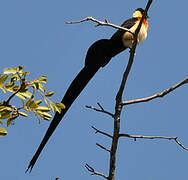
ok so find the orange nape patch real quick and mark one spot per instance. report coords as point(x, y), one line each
point(145, 22)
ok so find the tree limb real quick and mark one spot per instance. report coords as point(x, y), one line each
point(161, 94)
point(118, 107)
point(135, 137)
point(100, 23)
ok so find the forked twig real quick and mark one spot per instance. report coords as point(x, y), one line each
point(100, 110)
point(93, 172)
point(99, 23)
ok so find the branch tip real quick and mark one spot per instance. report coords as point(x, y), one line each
point(93, 172)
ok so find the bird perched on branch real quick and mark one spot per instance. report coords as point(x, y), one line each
point(98, 55)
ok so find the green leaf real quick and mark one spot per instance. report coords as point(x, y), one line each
point(34, 91)
point(9, 121)
point(1, 122)
point(5, 112)
point(21, 96)
point(23, 114)
point(38, 102)
point(52, 105)
point(26, 94)
point(3, 131)
point(5, 115)
point(9, 84)
point(45, 115)
point(3, 79)
point(42, 79)
point(3, 88)
point(49, 93)
point(46, 102)
point(33, 105)
point(41, 87)
point(36, 85)
point(19, 69)
point(42, 108)
point(13, 116)
point(5, 108)
point(10, 71)
point(59, 107)
point(29, 102)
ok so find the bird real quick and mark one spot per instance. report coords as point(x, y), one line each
point(98, 55)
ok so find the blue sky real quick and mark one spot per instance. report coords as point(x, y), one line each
point(34, 34)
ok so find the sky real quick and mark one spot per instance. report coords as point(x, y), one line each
point(34, 34)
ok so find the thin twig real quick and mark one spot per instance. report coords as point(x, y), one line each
point(102, 147)
point(101, 132)
point(100, 106)
point(180, 144)
point(100, 110)
point(135, 137)
point(158, 95)
point(93, 172)
point(100, 23)
point(22, 85)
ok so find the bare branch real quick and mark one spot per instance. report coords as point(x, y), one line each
point(102, 147)
point(99, 23)
point(101, 132)
point(93, 172)
point(158, 95)
point(118, 107)
point(100, 110)
point(135, 137)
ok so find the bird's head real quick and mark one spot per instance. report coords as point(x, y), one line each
point(138, 13)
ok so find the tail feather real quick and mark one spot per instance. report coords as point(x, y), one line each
point(72, 93)
point(99, 54)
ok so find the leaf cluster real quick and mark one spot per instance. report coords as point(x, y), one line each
point(14, 81)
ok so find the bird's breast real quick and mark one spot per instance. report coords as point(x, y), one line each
point(128, 37)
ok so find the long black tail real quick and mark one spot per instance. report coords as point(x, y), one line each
point(98, 55)
point(72, 93)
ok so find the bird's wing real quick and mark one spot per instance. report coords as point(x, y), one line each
point(127, 24)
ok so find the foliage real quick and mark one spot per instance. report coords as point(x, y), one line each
point(13, 80)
